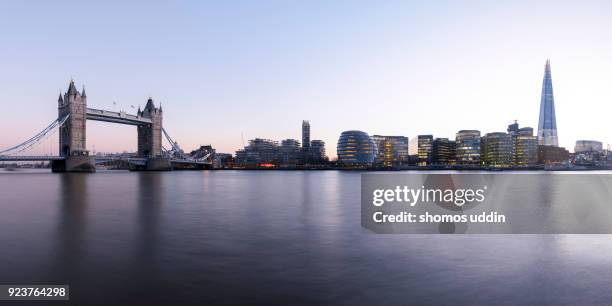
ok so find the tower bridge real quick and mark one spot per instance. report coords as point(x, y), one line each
point(116, 117)
point(73, 155)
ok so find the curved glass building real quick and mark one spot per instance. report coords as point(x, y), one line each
point(356, 148)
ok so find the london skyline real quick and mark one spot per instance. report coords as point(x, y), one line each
point(383, 69)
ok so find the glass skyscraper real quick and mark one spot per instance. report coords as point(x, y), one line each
point(547, 127)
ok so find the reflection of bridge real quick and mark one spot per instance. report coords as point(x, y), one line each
point(73, 155)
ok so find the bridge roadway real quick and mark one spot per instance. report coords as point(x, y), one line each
point(131, 160)
point(30, 158)
point(99, 159)
point(116, 117)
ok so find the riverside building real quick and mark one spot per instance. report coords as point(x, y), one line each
point(388, 156)
point(290, 152)
point(317, 151)
point(399, 146)
point(468, 147)
point(590, 152)
point(551, 155)
point(356, 148)
point(305, 135)
point(524, 145)
point(588, 146)
point(425, 149)
point(496, 150)
point(444, 152)
point(259, 151)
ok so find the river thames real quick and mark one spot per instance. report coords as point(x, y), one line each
point(267, 237)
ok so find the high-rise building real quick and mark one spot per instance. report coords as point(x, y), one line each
point(387, 150)
point(524, 145)
point(525, 148)
point(443, 151)
point(425, 148)
point(452, 152)
point(513, 128)
point(468, 147)
point(356, 148)
point(379, 140)
point(496, 150)
point(305, 135)
point(547, 127)
point(399, 144)
point(400, 148)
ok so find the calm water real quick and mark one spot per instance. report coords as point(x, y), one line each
point(224, 237)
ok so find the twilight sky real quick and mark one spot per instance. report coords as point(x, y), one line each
point(223, 69)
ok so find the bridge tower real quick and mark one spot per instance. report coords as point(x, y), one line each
point(150, 135)
point(73, 131)
point(150, 138)
point(72, 134)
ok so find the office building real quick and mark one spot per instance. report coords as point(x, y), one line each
point(443, 151)
point(547, 127)
point(388, 154)
point(525, 149)
point(452, 152)
point(379, 140)
point(468, 147)
point(356, 148)
point(524, 145)
point(399, 144)
point(551, 155)
point(496, 150)
point(425, 149)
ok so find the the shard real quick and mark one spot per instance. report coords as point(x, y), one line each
point(547, 127)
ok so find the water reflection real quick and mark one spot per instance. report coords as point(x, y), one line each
point(146, 244)
point(72, 225)
point(246, 237)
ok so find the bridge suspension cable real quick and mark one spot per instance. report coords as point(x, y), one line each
point(38, 137)
point(176, 151)
point(174, 144)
